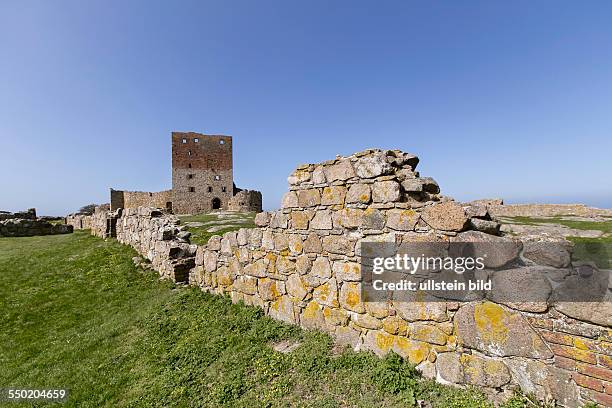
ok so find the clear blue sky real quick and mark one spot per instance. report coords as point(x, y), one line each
point(499, 99)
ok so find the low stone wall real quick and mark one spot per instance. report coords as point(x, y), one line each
point(301, 265)
point(546, 210)
point(28, 228)
point(79, 221)
point(246, 201)
point(156, 236)
point(29, 214)
point(135, 199)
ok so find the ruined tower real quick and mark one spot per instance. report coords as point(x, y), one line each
point(202, 175)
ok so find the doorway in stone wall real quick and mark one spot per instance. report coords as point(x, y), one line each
point(169, 206)
point(216, 203)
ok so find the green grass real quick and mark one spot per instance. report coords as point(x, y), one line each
point(605, 226)
point(75, 312)
point(201, 235)
point(598, 250)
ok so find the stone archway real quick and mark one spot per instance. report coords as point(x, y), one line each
point(216, 203)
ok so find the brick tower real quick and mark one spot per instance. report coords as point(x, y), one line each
point(202, 174)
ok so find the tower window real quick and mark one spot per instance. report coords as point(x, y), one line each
point(221, 141)
point(184, 141)
point(224, 189)
point(210, 189)
point(192, 189)
point(190, 176)
point(189, 165)
point(217, 177)
point(189, 152)
point(196, 140)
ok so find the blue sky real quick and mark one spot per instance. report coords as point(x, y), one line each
point(498, 99)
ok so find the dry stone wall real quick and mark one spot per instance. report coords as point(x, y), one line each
point(26, 224)
point(19, 227)
point(246, 201)
point(301, 265)
point(79, 221)
point(135, 199)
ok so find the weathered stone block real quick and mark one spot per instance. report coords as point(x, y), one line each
point(296, 287)
point(402, 220)
point(347, 271)
point(386, 191)
point(359, 194)
point(447, 216)
point(497, 331)
point(300, 219)
point(333, 195)
point(337, 244)
point(262, 219)
point(322, 220)
point(372, 166)
point(341, 171)
point(309, 198)
point(350, 297)
point(290, 200)
point(327, 293)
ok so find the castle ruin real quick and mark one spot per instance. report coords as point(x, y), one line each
point(202, 180)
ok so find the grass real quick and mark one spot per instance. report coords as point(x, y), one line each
point(597, 250)
point(201, 234)
point(605, 226)
point(75, 312)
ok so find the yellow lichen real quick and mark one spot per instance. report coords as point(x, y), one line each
point(415, 351)
point(384, 341)
point(491, 321)
point(310, 311)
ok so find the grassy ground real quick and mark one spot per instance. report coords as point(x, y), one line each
point(605, 226)
point(76, 313)
point(216, 224)
point(598, 250)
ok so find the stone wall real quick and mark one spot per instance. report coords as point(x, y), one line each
point(29, 214)
point(301, 265)
point(246, 201)
point(79, 221)
point(157, 236)
point(18, 227)
point(135, 199)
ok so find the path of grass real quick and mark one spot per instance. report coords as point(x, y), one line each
point(75, 312)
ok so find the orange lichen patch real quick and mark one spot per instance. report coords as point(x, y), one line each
point(224, 279)
point(271, 260)
point(364, 197)
point(311, 310)
point(406, 216)
point(352, 299)
point(296, 247)
point(395, 325)
point(429, 334)
point(284, 252)
point(415, 351)
point(384, 341)
point(491, 322)
point(580, 344)
point(335, 317)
